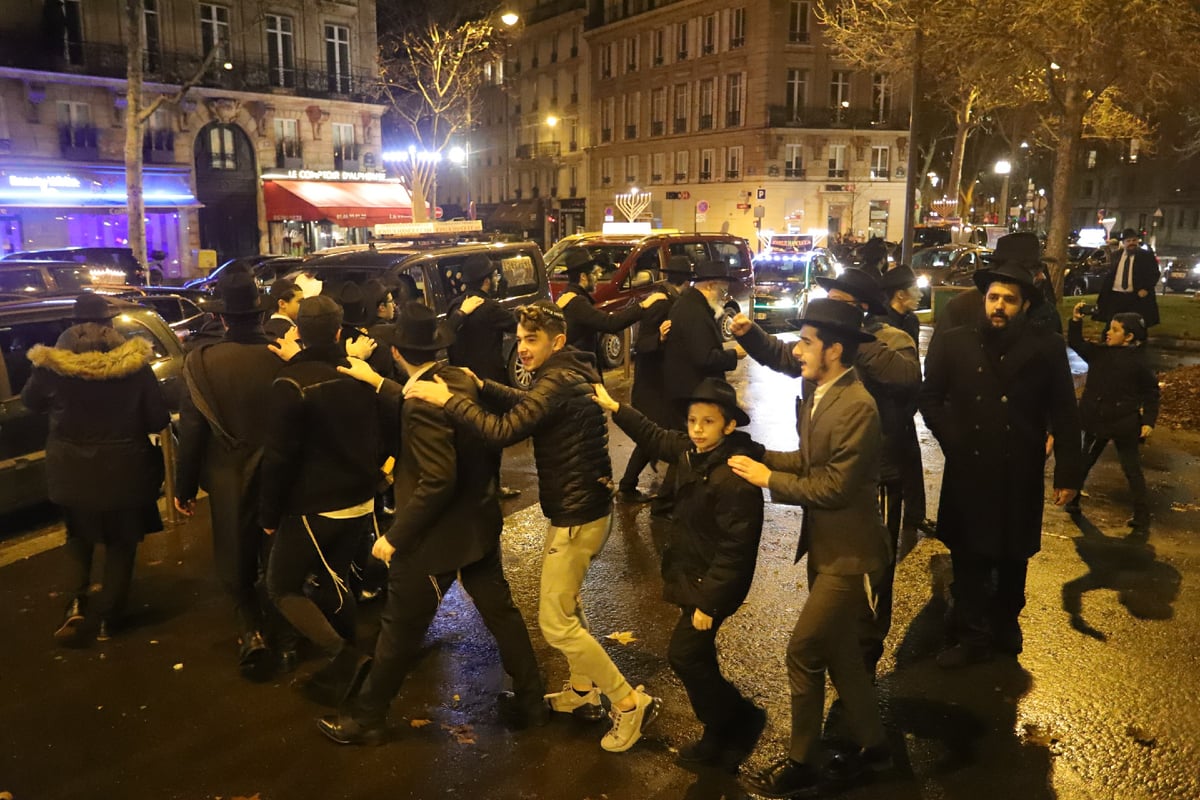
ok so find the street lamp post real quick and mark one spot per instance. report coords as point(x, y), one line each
point(1004, 167)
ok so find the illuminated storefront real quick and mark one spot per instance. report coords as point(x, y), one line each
point(310, 210)
point(47, 205)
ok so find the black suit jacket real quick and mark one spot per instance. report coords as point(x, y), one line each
point(447, 507)
point(1145, 278)
point(479, 341)
point(694, 349)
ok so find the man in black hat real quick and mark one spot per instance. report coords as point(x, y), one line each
point(321, 467)
point(1131, 283)
point(834, 477)
point(989, 391)
point(873, 256)
point(890, 370)
point(223, 421)
point(649, 394)
point(286, 296)
point(447, 527)
point(585, 322)
point(695, 347)
point(1023, 250)
point(902, 297)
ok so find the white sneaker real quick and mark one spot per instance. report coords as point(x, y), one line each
point(627, 726)
point(588, 707)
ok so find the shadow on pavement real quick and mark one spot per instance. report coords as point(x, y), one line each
point(1127, 565)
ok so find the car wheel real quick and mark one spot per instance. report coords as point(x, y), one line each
point(726, 323)
point(518, 376)
point(1076, 290)
point(612, 350)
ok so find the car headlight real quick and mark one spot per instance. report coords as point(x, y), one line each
point(1196, 270)
point(922, 281)
point(784, 302)
point(817, 293)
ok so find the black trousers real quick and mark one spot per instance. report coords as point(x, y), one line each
point(693, 657)
point(989, 594)
point(119, 559)
point(638, 461)
point(412, 601)
point(240, 548)
point(1131, 463)
point(295, 555)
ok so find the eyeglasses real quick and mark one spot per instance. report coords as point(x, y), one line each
point(534, 313)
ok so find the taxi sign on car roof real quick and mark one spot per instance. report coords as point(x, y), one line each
point(411, 229)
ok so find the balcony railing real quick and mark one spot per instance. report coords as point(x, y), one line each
point(631, 131)
point(606, 134)
point(158, 147)
point(880, 174)
point(733, 119)
point(705, 123)
point(656, 177)
point(680, 125)
point(79, 143)
point(681, 177)
point(288, 154)
point(732, 174)
point(705, 177)
point(802, 117)
point(798, 37)
point(306, 78)
point(837, 173)
point(657, 128)
point(794, 173)
point(347, 157)
point(540, 150)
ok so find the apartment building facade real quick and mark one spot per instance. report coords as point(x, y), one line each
point(276, 149)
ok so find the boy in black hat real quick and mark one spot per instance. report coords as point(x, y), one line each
point(1119, 403)
point(286, 295)
point(708, 563)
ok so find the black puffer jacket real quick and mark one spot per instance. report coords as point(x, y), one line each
point(709, 559)
point(570, 434)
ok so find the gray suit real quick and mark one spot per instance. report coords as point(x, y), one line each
point(834, 476)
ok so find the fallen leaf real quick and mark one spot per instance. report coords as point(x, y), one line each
point(463, 734)
point(457, 698)
point(6, 796)
point(1184, 507)
point(419, 723)
point(624, 637)
point(178, 666)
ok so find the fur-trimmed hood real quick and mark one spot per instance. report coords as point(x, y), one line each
point(120, 362)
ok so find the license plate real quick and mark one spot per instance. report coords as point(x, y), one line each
point(760, 315)
point(1179, 274)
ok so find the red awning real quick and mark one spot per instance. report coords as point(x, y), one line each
point(351, 205)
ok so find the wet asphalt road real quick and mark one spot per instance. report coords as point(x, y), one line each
point(1101, 705)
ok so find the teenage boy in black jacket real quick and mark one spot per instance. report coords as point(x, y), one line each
point(708, 563)
point(1120, 402)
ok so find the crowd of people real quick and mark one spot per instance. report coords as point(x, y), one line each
point(304, 427)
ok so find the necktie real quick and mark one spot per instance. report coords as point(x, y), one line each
point(1124, 271)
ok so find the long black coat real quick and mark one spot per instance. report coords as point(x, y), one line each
point(102, 405)
point(1121, 394)
point(585, 322)
point(989, 415)
point(1145, 278)
point(709, 559)
point(649, 394)
point(479, 342)
point(694, 349)
point(447, 508)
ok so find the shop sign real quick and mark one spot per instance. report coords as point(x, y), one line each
point(324, 175)
point(44, 182)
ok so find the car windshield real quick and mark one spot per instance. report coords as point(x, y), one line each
point(781, 267)
point(934, 259)
point(608, 257)
point(71, 279)
point(927, 237)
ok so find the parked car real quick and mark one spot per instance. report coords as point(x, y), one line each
point(428, 271)
point(105, 264)
point(785, 282)
point(183, 314)
point(27, 322)
point(1181, 273)
point(31, 276)
point(1085, 270)
point(264, 268)
point(632, 263)
point(946, 265)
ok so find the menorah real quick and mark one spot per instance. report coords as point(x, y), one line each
point(633, 204)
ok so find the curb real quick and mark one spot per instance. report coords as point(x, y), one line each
point(1172, 343)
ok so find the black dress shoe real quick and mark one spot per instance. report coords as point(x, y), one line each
point(339, 680)
point(632, 497)
point(847, 769)
point(345, 730)
point(739, 738)
point(520, 713)
point(784, 779)
point(104, 632)
point(963, 655)
point(254, 657)
point(73, 618)
point(704, 750)
point(289, 659)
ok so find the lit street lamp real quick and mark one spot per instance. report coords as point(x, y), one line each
point(1004, 167)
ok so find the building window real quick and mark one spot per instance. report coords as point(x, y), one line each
point(881, 97)
point(737, 28)
point(606, 59)
point(151, 37)
point(837, 160)
point(681, 166)
point(658, 46)
point(281, 53)
point(707, 90)
point(793, 161)
point(797, 93)
point(72, 33)
point(214, 32)
point(75, 129)
point(1091, 159)
point(1135, 147)
point(221, 147)
point(880, 159)
point(658, 163)
point(337, 58)
point(631, 54)
point(733, 100)
point(798, 26)
point(733, 163)
point(345, 148)
point(839, 93)
point(606, 171)
point(681, 108)
point(631, 170)
point(633, 105)
point(658, 112)
point(287, 140)
point(708, 35)
point(681, 41)
point(607, 112)
point(706, 165)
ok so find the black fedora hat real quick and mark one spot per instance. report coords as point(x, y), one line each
point(859, 284)
point(679, 265)
point(1009, 272)
point(1130, 233)
point(577, 260)
point(900, 277)
point(836, 317)
point(717, 392)
point(1023, 249)
point(238, 295)
point(874, 251)
point(93, 308)
point(711, 271)
point(416, 328)
point(476, 267)
point(353, 302)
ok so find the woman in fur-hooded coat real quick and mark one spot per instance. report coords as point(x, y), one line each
point(103, 400)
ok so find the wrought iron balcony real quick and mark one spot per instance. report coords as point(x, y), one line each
point(540, 150)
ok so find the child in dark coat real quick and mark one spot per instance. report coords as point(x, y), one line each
point(1119, 403)
point(708, 563)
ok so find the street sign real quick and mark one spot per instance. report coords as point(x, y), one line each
point(701, 218)
point(760, 212)
point(762, 194)
point(702, 207)
point(743, 206)
point(679, 195)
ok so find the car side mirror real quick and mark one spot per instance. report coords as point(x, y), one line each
point(642, 277)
